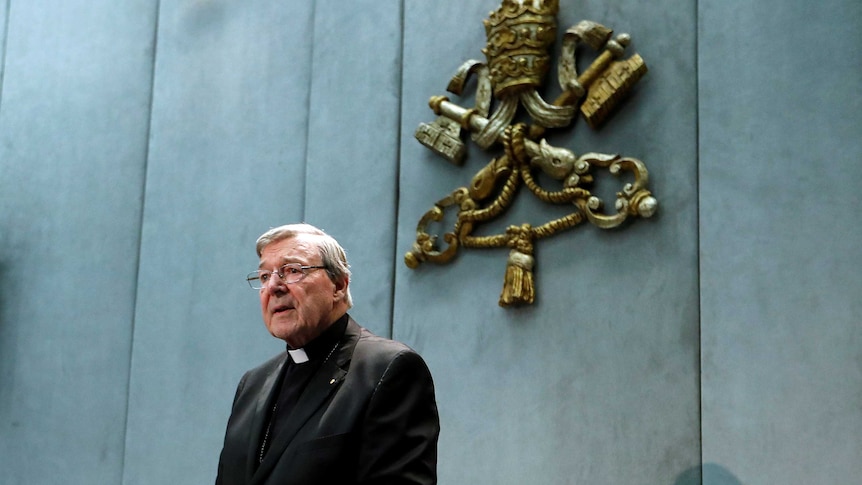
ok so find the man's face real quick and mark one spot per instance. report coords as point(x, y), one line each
point(299, 312)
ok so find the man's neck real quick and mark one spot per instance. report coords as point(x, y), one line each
point(320, 344)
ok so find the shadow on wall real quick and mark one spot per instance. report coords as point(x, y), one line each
point(708, 474)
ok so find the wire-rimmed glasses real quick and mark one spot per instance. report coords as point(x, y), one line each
point(289, 273)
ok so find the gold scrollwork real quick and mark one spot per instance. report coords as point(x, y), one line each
point(519, 35)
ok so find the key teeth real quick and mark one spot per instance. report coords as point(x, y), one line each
point(443, 138)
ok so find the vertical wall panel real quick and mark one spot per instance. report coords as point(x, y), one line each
point(226, 163)
point(780, 105)
point(598, 381)
point(353, 144)
point(73, 118)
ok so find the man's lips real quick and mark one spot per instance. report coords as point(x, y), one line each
point(282, 309)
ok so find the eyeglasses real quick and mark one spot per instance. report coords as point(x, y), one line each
point(289, 273)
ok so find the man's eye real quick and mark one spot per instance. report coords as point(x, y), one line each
point(294, 270)
point(263, 277)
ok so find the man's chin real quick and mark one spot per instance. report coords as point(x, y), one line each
point(281, 329)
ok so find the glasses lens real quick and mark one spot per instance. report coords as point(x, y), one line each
point(290, 273)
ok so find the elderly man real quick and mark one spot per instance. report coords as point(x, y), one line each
point(341, 405)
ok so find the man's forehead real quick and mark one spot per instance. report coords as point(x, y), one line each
point(296, 249)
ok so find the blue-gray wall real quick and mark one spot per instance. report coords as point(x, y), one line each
point(145, 144)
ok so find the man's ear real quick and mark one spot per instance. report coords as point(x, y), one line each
point(341, 288)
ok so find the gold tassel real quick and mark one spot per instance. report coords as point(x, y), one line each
point(518, 288)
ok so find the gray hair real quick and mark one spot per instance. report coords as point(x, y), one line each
point(332, 255)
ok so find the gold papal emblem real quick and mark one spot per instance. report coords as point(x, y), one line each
point(519, 36)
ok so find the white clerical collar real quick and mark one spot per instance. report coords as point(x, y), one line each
point(298, 356)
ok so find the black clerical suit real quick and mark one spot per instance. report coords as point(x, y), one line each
point(366, 415)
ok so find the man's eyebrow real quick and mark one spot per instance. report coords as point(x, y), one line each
point(284, 260)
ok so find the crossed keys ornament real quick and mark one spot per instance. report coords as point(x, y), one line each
point(519, 36)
